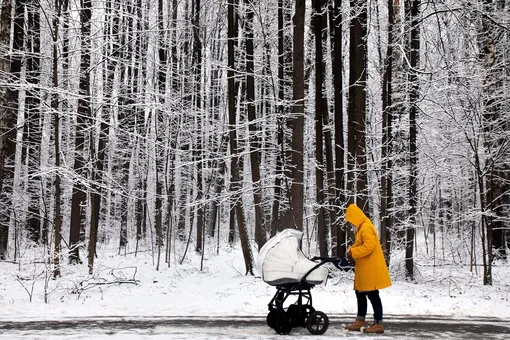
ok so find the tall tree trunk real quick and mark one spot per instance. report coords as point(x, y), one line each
point(413, 160)
point(233, 87)
point(495, 125)
point(235, 176)
point(338, 231)
point(387, 122)
point(284, 71)
point(198, 150)
point(84, 114)
point(357, 165)
point(297, 119)
point(10, 67)
point(254, 140)
point(32, 131)
point(59, 4)
point(158, 120)
point(320, 107)
point(330, 191)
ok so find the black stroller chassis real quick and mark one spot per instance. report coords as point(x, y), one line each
point(301, 313)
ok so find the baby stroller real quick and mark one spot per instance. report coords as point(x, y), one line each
point(282, 264)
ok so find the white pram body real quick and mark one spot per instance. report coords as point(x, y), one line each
point(281, 261)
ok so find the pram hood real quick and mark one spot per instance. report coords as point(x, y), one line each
point(281, 261)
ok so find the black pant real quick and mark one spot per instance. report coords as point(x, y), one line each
point(375, 300)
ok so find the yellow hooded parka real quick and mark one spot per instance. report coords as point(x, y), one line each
point(371, 272)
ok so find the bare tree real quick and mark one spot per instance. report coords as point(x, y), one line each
point(338, 231)
point(32, 131)
point(235, 175)
point(198, 150)
point(387, 122)
point(10, 68)
point(297, 119)
point(83, 116)
point(283, 112)
point(494, 124)
point(413, 112)
point(320, 110)
point(59, 6)
point(260, 232)
point(357, 184)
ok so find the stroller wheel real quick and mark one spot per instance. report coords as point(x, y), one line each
point(283, 324)
point(271, 318)
point(318, 323)
point(298, 315)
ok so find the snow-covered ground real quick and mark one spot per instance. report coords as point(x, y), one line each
point(221, 289)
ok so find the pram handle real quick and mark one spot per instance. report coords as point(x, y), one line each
point(327, 259)
point(335, 260)
point(342, 262)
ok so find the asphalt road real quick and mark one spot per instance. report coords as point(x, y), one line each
point(246, 327)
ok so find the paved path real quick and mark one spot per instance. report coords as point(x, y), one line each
point(246, 327)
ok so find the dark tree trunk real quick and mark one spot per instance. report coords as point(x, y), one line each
point(162, 54)
point(254, 140)
point(297, 119)
point(59, 5)
point(235, 178)
point(357, 181)
point(198, 150)
point(284, 70)
point(232, 33)
point(338, 231)
point(84, 114)
point(31, 149)
point(413, 160)
point(10, 67)
point(495, 125)
point(320, 110)
point(387, 122)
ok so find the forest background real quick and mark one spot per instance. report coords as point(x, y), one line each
point(167, 126)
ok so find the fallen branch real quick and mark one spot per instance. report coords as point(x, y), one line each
point(83, 286)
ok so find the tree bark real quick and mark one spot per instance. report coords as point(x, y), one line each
point(198, 151)
point(235, 178)
point(254, 140)
point(32, 131)
point(387, 122)
point(59, 4)
point(320, 110)
point(338, 230)
point(284, 73)
point(10, 67)
point(357, 165)
point(84, 114)
point(413, 160)
point(297, 119)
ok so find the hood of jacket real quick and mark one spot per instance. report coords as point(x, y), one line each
point(355, 215)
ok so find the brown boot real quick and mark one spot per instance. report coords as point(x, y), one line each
point(375, 328)
point(356, 326)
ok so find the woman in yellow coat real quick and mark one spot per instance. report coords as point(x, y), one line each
point(371, 271)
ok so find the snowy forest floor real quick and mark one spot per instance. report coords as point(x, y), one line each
point(129, 286)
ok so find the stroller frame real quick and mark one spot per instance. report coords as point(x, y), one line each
point(301, 313)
